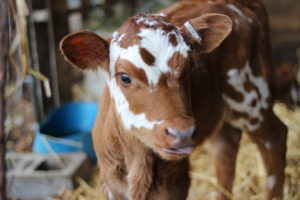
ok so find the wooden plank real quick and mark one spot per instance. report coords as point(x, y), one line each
point(66, 74)
point(284, 15)
point(285, 30)
point(46, 62)
point(3, 65)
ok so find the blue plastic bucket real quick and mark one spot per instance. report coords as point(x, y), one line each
point(67, 129)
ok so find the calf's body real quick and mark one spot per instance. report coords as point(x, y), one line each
point(172, 83)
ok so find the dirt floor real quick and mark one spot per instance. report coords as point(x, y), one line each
point(250, 174)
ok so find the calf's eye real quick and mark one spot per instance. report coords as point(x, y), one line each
point(126, 80)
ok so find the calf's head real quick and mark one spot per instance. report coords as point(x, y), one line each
point(148, 61)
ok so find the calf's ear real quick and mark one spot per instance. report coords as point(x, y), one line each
point(205, 33)
point(86, 50)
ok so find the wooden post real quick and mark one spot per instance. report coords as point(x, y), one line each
point(285, 30)
point(45, 63)
point(66, 74)
point(3, 64)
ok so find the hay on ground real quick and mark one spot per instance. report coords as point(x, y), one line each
point(250, 174)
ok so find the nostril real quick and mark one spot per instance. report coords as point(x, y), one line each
point(172, 132)
point(181, 133)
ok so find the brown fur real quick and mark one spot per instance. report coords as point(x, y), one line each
point(132, 163)
point(78, 42)
point(147, 56)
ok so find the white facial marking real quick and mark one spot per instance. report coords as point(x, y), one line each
point(192, 31)
point(128, 118)
point(268, 145)
point(151, 23)
point(271, 182)
point(156, 42)
point(146, 21)
point(237, 79)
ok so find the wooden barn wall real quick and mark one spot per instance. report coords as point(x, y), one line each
point(284, 18)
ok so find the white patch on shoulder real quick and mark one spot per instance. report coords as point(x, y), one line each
point(128, 118)
point(244, 123)
point(271, 181)
point(237, 79)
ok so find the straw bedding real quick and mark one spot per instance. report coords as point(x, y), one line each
point(250, 174)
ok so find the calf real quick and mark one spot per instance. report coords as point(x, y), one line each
point(173, 81)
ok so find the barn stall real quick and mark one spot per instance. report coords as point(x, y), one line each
point(37, 85)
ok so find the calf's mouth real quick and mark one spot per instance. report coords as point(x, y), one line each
point(185, 150)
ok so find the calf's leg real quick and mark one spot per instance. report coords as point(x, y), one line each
point(224, 147)
point(270, 139)
point(140, 175)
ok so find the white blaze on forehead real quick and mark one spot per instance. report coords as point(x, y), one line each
point(128, 118)
point(146, 21)
point(156, 42)
point(152, 22)
point(237, 79)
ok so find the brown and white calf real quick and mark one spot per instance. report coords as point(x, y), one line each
point(174, 81)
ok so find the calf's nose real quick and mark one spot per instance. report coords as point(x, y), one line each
point(181, 136)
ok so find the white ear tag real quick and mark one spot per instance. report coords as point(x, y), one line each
point(192, 31)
